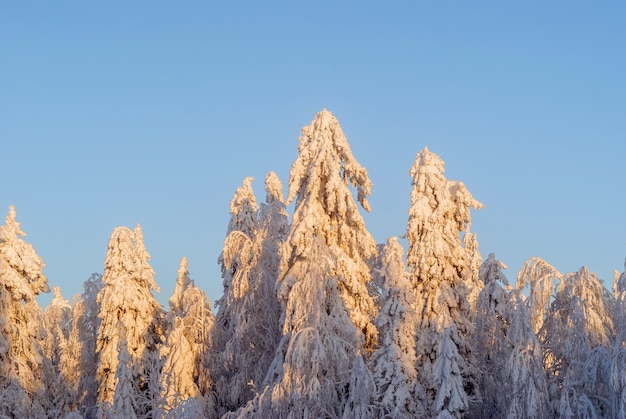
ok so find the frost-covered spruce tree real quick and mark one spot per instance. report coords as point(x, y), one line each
point(21, 330)
point(393, 363)
point(576, 337)
point(489, 340)
point(126, 300)
point(186, 383)
point(328, 311)
point(440, 270)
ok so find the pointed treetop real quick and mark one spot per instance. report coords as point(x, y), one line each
point(322, 143)
point(11, 224)
point(274, 188)
point(243, 209)
point(182, 269)
point(427, 162)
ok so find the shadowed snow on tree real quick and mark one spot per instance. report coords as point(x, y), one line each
point(579, 324)
point(508, 353)
point(489, 340)
point(21, 328)
point(78, 363)
point(393, 363)
point(57, 324)
point(440, 269)
point(248, 318)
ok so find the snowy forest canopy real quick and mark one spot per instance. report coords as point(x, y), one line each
point(317, 320)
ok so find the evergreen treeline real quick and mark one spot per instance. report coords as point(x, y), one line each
point(316, 319)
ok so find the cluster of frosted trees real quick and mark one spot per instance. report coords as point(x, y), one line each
point(316, 319)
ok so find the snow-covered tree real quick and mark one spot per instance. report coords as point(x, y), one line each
point(21, 329)
point(185, 378)
point(78, 361)
point(618, 361)
point(126, 301)
point(440, 269)
point(126, 404)
point(489, 341)
point(57, 323)
point(238, 256)
point(525, 384)
point(543, 281)
point(393, 363)
point(328, 311)
point(580, 320)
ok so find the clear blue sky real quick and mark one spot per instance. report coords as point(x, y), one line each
point(117, 113)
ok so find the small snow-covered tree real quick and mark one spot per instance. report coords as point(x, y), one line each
point(126, 300)
point(21, 329)
point(185, 379)
point(328, 313)
point(393, 363)
point(440, 269)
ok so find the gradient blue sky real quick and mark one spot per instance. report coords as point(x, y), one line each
point(117, 113)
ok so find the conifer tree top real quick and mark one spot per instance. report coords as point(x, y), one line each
point(323, 142)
